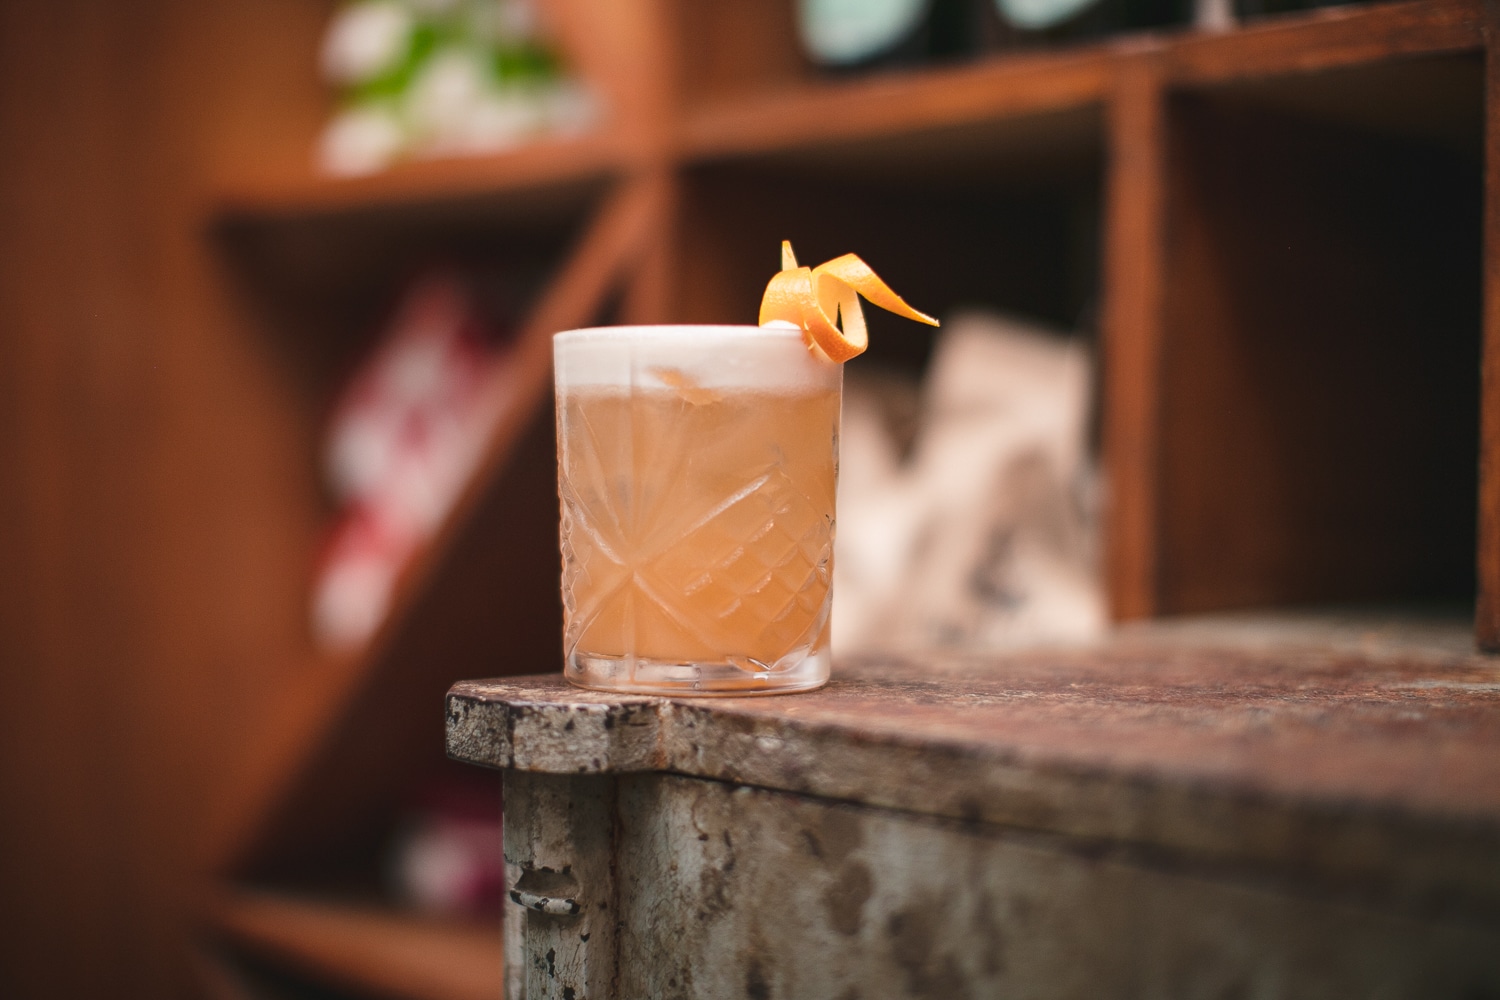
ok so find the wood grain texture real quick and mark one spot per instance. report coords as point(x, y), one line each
point(377, 952)
point(652, 290)
point(1487, 607)
point(1015, 87)
point(70, 419)
point(157, 504)
point(1334, 753)
point(547, 163)
point(1131, 341)
point(283, 795)
point(734, 48)
point(1319, 390)
point(693, 81)
point(1327, 39)
point(159, 499)
point(628, 51)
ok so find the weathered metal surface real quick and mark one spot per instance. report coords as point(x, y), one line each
point(729, 891)
point(1354, 760)
point(560, 936)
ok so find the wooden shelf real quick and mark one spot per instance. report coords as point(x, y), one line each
point(1025, 101)
point(530, 179)
point(379, 950)
point(1436, 99)
point(1325, 39)
point(1041, 108)
point(1321, 344)
point(277, 798)
point(909, 105)
point(1046, 183)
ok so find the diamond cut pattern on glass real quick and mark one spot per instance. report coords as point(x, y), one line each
point(658, 566)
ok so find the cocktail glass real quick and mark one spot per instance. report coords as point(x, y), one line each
point(696, 470)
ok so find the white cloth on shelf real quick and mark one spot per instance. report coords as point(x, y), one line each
point(985, 536)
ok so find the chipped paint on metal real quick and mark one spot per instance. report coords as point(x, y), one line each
point(559, 867)
point(725, 891)
point(1351, 770)
point(1170, 817)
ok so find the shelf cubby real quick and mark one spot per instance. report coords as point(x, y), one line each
point(1276, 234)
point(950, 241)
point(323, 767)
point(1321, 340)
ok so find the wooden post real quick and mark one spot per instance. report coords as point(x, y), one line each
point(1132, 333)
point(650, 290)
point(1487, 604)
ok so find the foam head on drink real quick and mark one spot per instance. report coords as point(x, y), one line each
point(697, 468)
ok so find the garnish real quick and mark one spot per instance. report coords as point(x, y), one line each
point(813, 298)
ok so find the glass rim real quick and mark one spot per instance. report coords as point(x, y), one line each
point(669, 331)
point(710, 355)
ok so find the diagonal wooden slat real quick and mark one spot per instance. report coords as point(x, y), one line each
point(600, 261)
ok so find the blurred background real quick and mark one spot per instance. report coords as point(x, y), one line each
point(276, 452)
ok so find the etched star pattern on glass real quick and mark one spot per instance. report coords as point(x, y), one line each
point(697, 516)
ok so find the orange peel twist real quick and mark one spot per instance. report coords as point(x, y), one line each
point(814, 298)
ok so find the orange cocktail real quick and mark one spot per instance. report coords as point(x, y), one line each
point(697, 469)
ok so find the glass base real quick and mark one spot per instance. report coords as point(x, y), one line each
point(725, 679)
